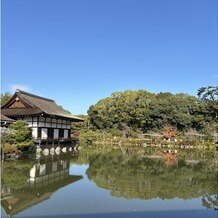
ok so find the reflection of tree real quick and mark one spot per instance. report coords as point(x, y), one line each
point(210, 201)
point(16, 173)
point(146, 178)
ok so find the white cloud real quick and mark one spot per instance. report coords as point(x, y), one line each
point(13, 87)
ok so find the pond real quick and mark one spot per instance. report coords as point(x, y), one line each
point(110, 183)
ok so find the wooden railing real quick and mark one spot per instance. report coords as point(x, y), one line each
point(53, 139)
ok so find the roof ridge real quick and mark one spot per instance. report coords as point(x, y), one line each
point(33, 95)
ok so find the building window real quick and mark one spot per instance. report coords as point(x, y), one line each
point(50, 133)
point(48, 124)
point(39, 133)
point(54, 120)
point(56, 133)
point(65, 133)
point(42, 119)
point(61, 133)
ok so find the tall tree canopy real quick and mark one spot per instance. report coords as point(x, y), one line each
point(142, 110)
point(210, 95)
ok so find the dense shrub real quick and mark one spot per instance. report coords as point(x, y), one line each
point(19, 136)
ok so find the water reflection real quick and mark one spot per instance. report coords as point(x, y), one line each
point(138, 180)
point(29, 182)
point(133, 177)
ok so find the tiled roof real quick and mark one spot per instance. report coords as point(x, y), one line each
point(7, 119)
point(37, 105)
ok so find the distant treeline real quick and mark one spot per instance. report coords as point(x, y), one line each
point(145, 111)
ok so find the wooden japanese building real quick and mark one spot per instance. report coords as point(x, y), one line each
point(49, 122)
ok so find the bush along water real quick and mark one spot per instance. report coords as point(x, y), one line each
point(17, 138)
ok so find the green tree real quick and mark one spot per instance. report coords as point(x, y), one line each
point(19, 135)
point(126, 108)
point(16, 173)
point(180, 111)
point(144, 111)
point(5, 97)
point(209, 93)
point(210, 96)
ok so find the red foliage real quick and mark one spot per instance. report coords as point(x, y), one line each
point(169, 131)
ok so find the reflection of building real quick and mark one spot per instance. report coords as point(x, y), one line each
point(44, 179)
point(49, 122)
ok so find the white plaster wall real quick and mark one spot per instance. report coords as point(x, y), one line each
point(35, 124)
point(34, 132)
point(44, 133)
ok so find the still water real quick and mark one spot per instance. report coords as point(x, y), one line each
point(110, 183)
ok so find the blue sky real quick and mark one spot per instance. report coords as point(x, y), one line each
point(79, 51)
